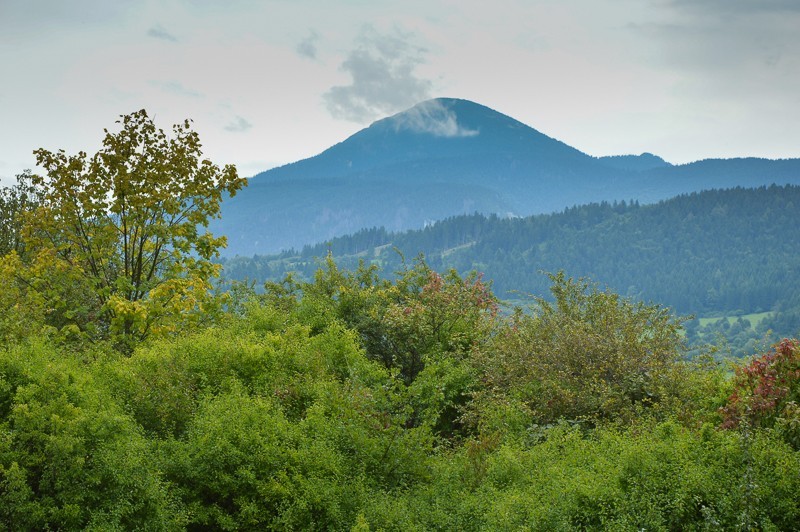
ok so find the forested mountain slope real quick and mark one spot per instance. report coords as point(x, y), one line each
point(721, 250)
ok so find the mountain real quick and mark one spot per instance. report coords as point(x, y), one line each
point(446, 157)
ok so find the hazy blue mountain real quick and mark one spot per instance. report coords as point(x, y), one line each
point(645, 161)
point(447, 157)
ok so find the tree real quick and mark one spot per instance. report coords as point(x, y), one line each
point(14, 201)
point(590, 355)
point(422, 327)
point(766, 393)
point(18, 314)
point(420, 317)
point(128, 220)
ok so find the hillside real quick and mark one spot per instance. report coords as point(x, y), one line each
point(448, 157)
point(713, 251)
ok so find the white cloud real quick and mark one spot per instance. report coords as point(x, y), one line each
point(434, 118)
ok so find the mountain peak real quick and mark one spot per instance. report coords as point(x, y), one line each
point(445, 128)
point(436, 129)
point(438, 117)
point(453, 118)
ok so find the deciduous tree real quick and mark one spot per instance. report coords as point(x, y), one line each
point(21, 197)
point(766, 392)
point(130, 220)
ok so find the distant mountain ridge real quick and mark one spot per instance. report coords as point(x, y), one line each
point(645, 161)
point(446, 157)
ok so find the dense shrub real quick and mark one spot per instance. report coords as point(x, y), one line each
point(280, 417)
point(592, 355)
point(766, 392)
point(70, 458)
point(656, 477)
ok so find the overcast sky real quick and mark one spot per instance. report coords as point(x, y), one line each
point(271, 82)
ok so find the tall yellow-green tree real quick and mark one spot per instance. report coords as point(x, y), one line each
point(18, 314)
point(125, 230)
point(14, 201)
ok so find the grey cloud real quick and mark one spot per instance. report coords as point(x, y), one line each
point(308, 46)
point(727, 7)
point(238, 125)
point(434, 118)
point(175, 88)
point(725, 35)
point(725, 53)
point(383, 78)
point(159, 32)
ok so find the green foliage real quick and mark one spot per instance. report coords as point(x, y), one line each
point(257, 469)
point(591, 355)
point(423, 328)
point(15, 201)
point(766, 392)
point(653, 477)
point(314, 419)
point(403, 324)
point(123, 226)
point(287, 415)
point(19, 313)
point(69, 457)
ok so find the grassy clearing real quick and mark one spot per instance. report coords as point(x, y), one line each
point(755, 318)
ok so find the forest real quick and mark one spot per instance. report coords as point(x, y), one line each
point(709, 254)
point(136, 393)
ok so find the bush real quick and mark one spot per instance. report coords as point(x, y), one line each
point(70, 458)
point(592, 355)
point(766, 393)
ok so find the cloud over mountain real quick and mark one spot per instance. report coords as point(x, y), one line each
point(434, 118)
point(383, 78)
